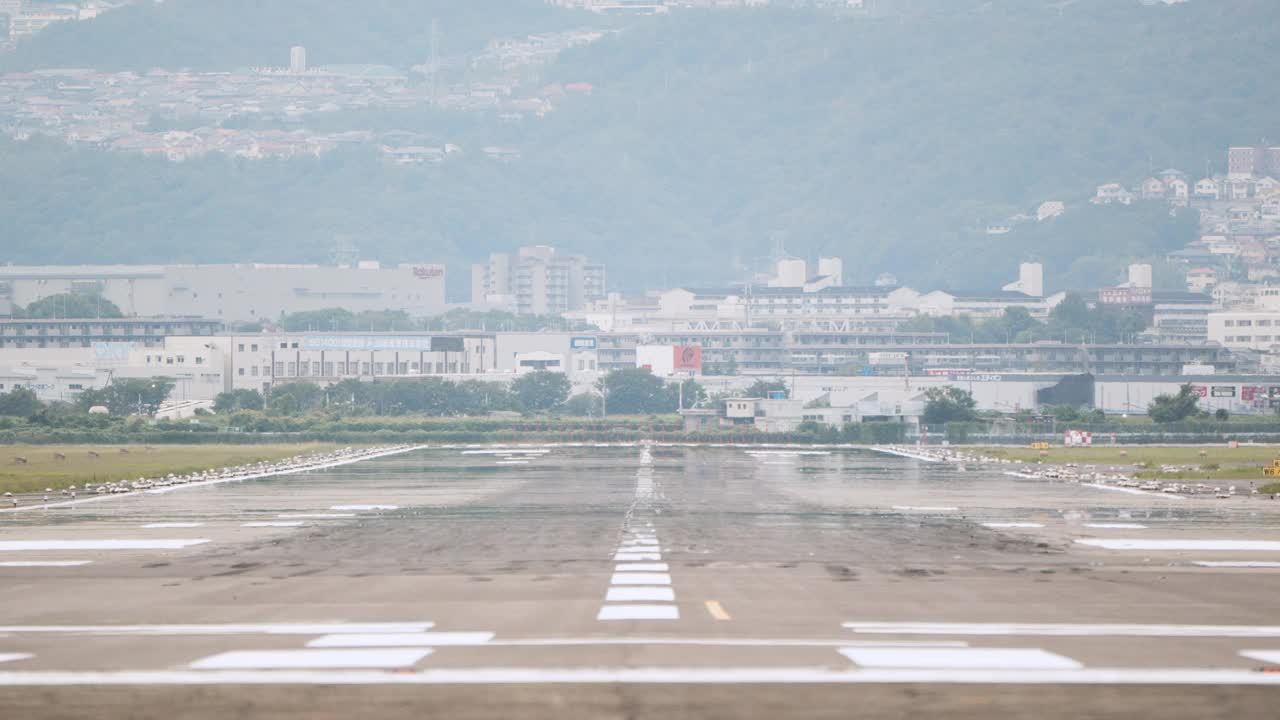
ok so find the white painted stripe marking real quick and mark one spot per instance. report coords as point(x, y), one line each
point(1136, 544)
point(1133, 491)
point(646, 676)
point(1237, 563)
point(642, 594)
point(359, 508)
point(160, 525)
point(641, 567)
point(1064, 629)
point(314, 516)
point(1266, 656)
point(301, 659)
point(924, 508)
point(629, 556)
point(1116, 526)
point(640, 578)
point(19, 545)
point(44, 563)
point(273, 523)
point(1002, 525)
point(639, 548)
point(226, 629)
point(13, 657)
point(960, 658)
point(425, 639)
point(639, 612)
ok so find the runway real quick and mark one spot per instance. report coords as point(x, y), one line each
point(621, 582)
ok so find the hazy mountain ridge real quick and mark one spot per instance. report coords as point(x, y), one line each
point(712, 135)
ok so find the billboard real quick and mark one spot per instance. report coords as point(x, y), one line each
point(428, 272)
point(687, 358)
point(411, 343)
point(582, 343)
point(1224, 391)
point(446, 344)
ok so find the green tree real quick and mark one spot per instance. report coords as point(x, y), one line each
point(294, 398)
point(582, 405)
point(20, 402)
point(541, 390)
point(635, 391)
point(239, 399)
point(142, 396)
point(689, 392)
point(1174, 408)
point(71, 305)
point(948, 404)
point(765, 389)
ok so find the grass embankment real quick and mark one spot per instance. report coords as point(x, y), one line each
point(1196, 463)
point(60, 466)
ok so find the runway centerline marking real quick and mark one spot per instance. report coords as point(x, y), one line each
point(717, 610)
point(14, 657)
point(628, 556)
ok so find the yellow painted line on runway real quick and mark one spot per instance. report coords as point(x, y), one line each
point(717, 610)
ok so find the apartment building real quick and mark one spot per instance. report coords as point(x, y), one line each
point(537, 280)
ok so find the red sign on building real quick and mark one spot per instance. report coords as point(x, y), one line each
point(688, 358)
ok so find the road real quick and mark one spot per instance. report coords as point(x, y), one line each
point(641, 581)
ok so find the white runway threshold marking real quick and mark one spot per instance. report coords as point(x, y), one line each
point(1003, 525)
point(1237, 564)
point(1063, 629)
point(306, 659)
point(646, 676)
point(639, 612)
point(638, 578)
point(424, 639)
point(1116, 526)
point(959, 658)
point(224, 629)
point(171, 525)
point(640, 594)
point(44, 563)
point(273, 523)
point(1266, 656)
point(1137, 544)
point(641, 567)
point(21, 545)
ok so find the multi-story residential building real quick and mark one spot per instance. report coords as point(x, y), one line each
point(1247, 162)
point(1246, 329)
point(537, 280)
point(233, 293)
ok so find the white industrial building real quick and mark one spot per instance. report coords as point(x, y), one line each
point(233, 293)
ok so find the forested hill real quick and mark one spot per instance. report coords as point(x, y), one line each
point(709, 136)
point(227, 34)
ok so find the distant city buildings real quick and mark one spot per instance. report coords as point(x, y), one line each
point(537, 280)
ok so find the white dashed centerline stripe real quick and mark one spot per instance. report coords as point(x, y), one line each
point(638, 612)
point(630, 556)
point(638, 578)
point(641, 567)
point(641, 577)
point(14, 657)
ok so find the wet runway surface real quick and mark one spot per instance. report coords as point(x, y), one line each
point(614, 582)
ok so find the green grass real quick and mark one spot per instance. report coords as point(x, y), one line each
point(45, 469)
point(1216, 463)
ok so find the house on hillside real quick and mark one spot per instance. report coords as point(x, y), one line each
point(1208, 188)
point(1153, 188)
point(1112, 193)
